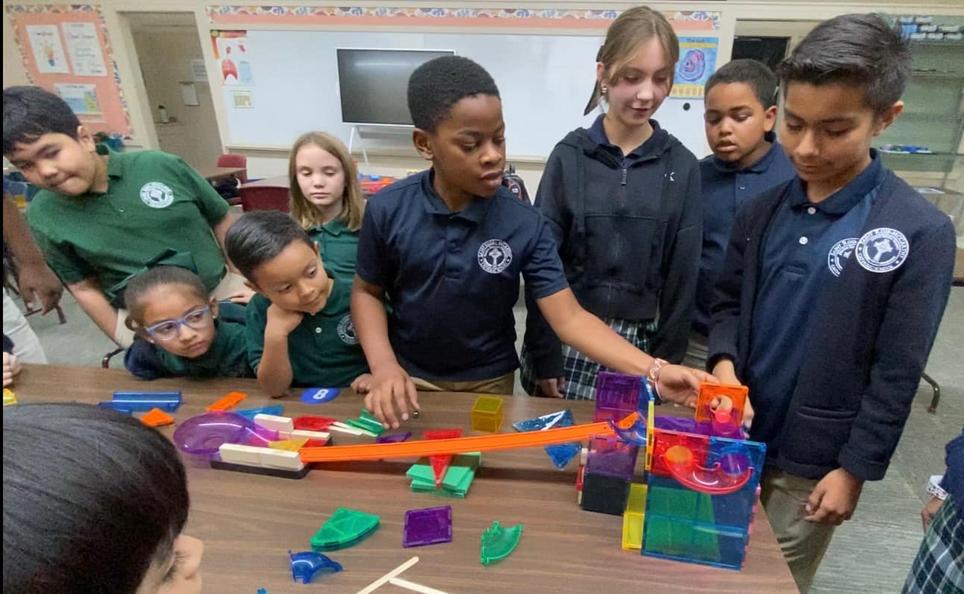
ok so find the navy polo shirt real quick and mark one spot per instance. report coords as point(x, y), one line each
point(804, 250)
point(597, 134)
point(725, 189)
point(453, 277)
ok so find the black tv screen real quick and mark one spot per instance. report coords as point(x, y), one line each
point(374, 83)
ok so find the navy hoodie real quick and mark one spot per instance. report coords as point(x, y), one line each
point(629, 235)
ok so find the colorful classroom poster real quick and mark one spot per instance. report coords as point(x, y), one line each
point(697, 62)
point(231, 52)
point(48, 53)
point(82, 99)
point(83, 47)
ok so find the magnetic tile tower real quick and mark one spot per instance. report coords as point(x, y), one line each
point(694, 497)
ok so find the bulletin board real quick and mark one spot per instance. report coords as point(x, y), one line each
point(65, 49)
point(277, 67)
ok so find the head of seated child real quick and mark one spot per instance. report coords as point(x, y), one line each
point(324, 182)
point(45, 140)
point(169, 307)
point(842, 86)
point(279, 260)
point(741, 108)
point(94, 501)
point(457, 113)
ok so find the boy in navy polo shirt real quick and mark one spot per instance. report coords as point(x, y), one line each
point(832, 289)
point(447, 246)
point(741, 110)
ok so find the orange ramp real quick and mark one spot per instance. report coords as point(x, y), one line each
point(460, 445)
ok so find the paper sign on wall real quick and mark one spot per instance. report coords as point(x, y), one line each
point(198, 71)
point(84, 49)
point(697, 62)
point(82, 99)
point(231, 51)
point(242, 99)
point(48, 53)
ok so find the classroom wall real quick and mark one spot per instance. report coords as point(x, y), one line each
point(164, 56)
point(263, 163)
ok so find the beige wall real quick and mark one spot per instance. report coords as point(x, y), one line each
point(164, 54)
point(273, 162)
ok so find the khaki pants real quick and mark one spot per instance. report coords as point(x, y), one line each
point(502, 385)
point(26, 345)
point(230, 285)
point(804, 543)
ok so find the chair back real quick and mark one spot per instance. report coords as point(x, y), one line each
point(264, 198)
point(235, 160)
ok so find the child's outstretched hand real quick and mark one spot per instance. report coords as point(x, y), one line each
point(834, 499)
point(680, 384)
point(11, 367)
point(362, 384)
point(392, 396)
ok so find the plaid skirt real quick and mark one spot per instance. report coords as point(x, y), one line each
point(939, 565)
point(578, 371)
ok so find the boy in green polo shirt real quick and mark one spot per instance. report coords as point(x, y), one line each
point(299, 327)
point(99, 219)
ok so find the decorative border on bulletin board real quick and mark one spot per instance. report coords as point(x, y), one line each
point(120, 122)
point(693, 20)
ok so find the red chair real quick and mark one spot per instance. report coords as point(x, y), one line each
point(264, 198)
point(235, 160)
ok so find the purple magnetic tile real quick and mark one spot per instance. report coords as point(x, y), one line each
point(431, 525)
point(393, 438)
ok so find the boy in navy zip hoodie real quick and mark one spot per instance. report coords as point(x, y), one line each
point(833, 288)
point(741, 111)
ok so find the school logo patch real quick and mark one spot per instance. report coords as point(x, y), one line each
point(495, 256)
point(157, 195)
point(840, 253)
point(346, 330)
point(882, 249)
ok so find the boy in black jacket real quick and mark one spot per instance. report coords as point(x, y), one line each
point(833, 288)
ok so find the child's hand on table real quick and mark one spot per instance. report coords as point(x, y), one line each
point(11, 367)
point(362, 384)
point(391, 396)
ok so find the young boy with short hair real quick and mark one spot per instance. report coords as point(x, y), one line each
point(833, 288)
point(100, 219)
point(299, 328)
point(741, 111)
point(447, 246)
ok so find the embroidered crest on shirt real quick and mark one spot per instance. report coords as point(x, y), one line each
point(840, 253)
point(346, 330)
point(882, 249)
point(495, 256)
point(157, 194)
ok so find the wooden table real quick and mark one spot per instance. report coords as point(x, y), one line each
point(213, 174)
point(248, 523)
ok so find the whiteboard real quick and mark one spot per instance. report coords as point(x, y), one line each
point(544, 81)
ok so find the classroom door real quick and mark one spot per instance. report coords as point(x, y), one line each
point(172, 67)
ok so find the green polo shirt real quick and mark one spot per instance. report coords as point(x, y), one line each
point(227, 357)
point(154, 202)
point(338, 247)
point(323, 349)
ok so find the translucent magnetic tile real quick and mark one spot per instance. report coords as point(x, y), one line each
point(431, 525)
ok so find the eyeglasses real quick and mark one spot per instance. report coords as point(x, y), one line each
point(196, 319)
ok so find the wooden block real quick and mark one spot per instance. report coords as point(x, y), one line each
point(240, 454)
point(284, 459)
point(275, 423)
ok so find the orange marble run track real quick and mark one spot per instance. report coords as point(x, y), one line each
point(460, 445)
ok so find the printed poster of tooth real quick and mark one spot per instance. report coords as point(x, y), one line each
point(697, 63)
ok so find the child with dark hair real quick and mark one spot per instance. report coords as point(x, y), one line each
point(89, 205)
point(447, 247)
point(740, 113)
point(299, 327)
point(169, 307)
point(832, 289)
point(104, 510)
point(622, 199)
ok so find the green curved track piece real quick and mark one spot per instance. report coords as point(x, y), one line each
point(345, 528)
point(498, 542)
